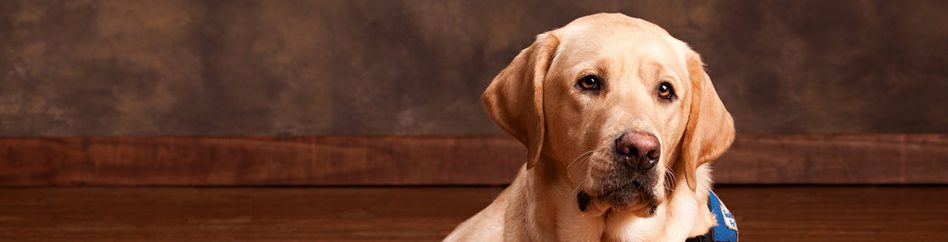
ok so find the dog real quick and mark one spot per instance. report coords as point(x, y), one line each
point(620, 121)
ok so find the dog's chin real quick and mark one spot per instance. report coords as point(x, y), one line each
point(640, 203)
point(634, 199)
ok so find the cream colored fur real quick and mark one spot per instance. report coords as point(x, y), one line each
point(569, 134)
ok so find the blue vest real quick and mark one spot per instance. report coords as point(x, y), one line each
point(726, 228)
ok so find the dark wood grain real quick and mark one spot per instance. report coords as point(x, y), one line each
point(778, 214)
point(774, 214)
point(235, 214)
point(258, 161)
point(419, 160)
point(835, 159)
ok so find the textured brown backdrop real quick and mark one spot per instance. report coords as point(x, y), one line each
point(418, 67)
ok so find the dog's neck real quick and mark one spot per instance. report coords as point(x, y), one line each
point(544, 208)
point(549, 211)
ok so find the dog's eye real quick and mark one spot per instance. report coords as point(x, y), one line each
point(589, 83)
point(665, 91)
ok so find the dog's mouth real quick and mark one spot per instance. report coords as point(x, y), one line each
point(633, 197)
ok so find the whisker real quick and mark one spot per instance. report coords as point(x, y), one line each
point(670, 180)
point(577, 158)
point(585, 176)
point(571, 163)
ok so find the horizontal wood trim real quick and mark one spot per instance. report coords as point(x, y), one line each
point(330, 160)
point(450, 160)
point(835, 159)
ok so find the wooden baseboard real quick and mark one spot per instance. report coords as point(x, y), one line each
point(835, 159)
point(450, 160)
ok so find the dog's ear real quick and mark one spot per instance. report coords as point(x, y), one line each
point(710, 128)
point(514, 98)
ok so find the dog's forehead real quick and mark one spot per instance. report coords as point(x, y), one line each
point(618, 36)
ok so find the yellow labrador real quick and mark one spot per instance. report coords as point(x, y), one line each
point(620, 120)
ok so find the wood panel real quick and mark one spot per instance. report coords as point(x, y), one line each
point(429, 160)
point(836, 159)
point(257, 161)
point(772, 214)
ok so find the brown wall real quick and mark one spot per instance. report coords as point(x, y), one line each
point(418, 67)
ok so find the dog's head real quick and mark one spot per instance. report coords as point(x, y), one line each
point(615, 107)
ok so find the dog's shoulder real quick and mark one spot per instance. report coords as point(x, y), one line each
point(486, 225)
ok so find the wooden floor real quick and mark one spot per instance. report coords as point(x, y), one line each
point(428, 213)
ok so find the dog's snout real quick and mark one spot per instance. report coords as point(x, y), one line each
point(639, 149)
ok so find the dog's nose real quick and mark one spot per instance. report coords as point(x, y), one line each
point(640, 150)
